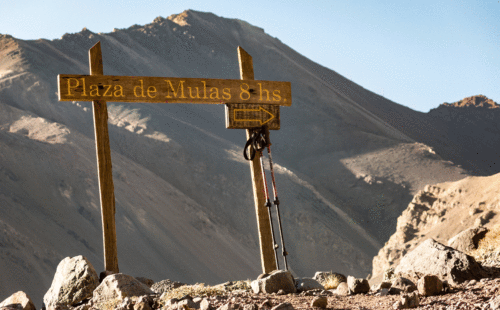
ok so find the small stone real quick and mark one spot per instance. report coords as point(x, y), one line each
point(342, 289)
point(281, 292)
point(358, 285)
point(429, 285)
point(204, 304)
point(307, 284)
point(250, 307)
point(266, 304)
point(142, 306)
point(319, 301)
point(283, 306)
point(383, 292)
point(410, 300)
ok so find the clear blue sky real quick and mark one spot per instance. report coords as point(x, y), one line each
point(417, 53)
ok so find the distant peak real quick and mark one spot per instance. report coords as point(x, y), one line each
point(479, 101)
point(180, 19)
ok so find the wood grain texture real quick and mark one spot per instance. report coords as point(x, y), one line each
point(147, 89)
point(267, 253)
point(246, 116)
point(105, 175)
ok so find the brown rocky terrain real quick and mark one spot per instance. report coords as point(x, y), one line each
point(441, 211)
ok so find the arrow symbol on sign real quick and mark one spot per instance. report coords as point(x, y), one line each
point(250, 115)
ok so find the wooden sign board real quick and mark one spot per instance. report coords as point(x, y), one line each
point(246, 116)
point(171, 90)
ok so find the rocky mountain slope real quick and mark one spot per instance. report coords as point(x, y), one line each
point(441, 211)
point(348, 161)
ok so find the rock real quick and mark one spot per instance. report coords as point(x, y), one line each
point(278, 279)
point(468, 239)
point(205, 304)
point(407, 301)
point(495, 303)
point(432, 257)
point(319, 301)
point(401, 284)
point(74, 281)
point(343, 289)
point(125, 304)
point(429, 285)
point(146, 281)
point(18, 300)
point(188, 302)
point(262, 276)
point(383, 292)
point(410, 300)
point(249, 307)
point(165, 285)
point(381, 285)
point(266, 304)
point(358, 285)
point(141, 305)
point(228, 306)
point(388, 274)
point(307, 284)
point(116, 287)
point(283, 306)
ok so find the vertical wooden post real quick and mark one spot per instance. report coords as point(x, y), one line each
point(104, 173)
point(263, 224)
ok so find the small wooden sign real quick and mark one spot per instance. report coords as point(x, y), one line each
point(172, 90)
point(245, 116)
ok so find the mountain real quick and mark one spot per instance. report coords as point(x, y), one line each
point(348, 161)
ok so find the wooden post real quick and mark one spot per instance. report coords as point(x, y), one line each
point(104, 173)
point(263, 224)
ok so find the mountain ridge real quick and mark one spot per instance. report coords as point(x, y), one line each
point(341, 154)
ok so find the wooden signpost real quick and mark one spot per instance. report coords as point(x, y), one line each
point(249, 104)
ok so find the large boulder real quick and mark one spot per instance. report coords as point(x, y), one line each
point(19, 301)
point(116, 287)
point(307, 284)
point(432, 257)
point(468, 239)
point(277, 280)
point(74, 281)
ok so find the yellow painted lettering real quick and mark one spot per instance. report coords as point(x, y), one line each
point(108, 87)
point(276, 95)
point(175, 92)
point(226, 92)
point(204, 90)
point(70, 87)
point(214, 93)
point(262, 90)
point(84, 92)
point(244, 91)
point(151, 91)
point(118, 91)
point(94, 90)
point(197, 93)
point(141, 88)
